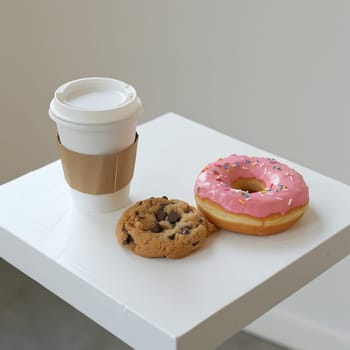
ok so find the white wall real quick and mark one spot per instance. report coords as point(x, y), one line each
point(272, 73)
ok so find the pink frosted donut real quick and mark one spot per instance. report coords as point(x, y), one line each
point(251, 195)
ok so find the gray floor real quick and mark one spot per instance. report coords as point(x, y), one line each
point(32, 318)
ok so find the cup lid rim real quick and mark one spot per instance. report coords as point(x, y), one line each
point(126, 101)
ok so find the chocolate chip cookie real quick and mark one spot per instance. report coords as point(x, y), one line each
point(162, 227)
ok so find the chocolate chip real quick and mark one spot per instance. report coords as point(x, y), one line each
point(172, 237)
point(161, 214)
point(165, 197)
point(157, 228)
point(194, 244)
point(124, 230)
point(185, 230)
point(173, 217)
point(128, 240)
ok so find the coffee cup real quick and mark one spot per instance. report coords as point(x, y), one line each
point(96, 133)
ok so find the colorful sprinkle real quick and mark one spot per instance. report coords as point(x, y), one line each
point(272, 160)
point(226, 167)
point(244, 168)
point(242, 202)
point(245, 195)
point(290, 201)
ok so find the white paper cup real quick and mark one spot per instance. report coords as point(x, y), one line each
point(96, 116)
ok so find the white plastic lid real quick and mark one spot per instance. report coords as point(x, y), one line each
point(94, 101)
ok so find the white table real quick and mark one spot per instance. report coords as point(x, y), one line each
point(193, 303)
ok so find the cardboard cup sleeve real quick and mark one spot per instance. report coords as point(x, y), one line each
point(98, 174)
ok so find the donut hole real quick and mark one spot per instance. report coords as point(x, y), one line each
point(249, 185)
